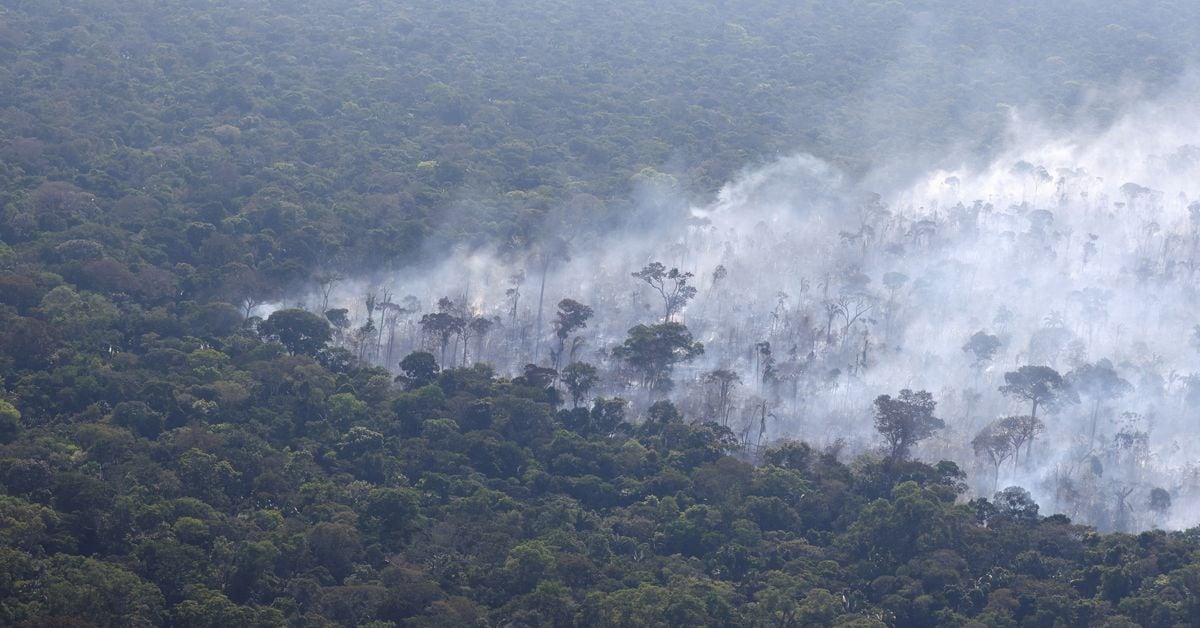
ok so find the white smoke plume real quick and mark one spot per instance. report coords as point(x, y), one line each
point(1069, 249)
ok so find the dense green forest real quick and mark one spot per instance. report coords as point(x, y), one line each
point(168, 459)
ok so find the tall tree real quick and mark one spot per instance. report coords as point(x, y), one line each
point(572, 316)
point(1022, 429)
point(994, 442)
point(300, 331)
point(551, 250)
point(327, 281)
point(905, 420)
point(442, 325)
point(981, 347)
point(653, 351)
point(579, 378)
point(419, 368)
point(724, 381)
point(1101, 384)
point(672, 285)
point(718, 286)
point(1041, 386)
point(479, 327)
point(390, 319)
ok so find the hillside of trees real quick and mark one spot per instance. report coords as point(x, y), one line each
point(222, 480)
point(182, 445)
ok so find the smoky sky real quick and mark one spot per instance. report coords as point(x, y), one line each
point(1071, 247)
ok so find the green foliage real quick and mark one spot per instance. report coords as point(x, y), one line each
point(579, 378)
point(139, 417)
point(653, 351)
point(672, 285)
point(471, 500)
point(80, 588)
point(166, 168)
point(420, 368)
point(1040, 386)
point(302, 332)
point(905, 421)
point(10, 421)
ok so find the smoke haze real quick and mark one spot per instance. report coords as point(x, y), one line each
point(1069, 248)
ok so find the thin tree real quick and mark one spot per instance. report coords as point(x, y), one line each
point(443, 326)
point(724, 382)
point(672, 285)
point(995, 443)
point(1022, 429)
point(480, 327)
point(572, 316)
point(1101, 384)
point(327, 280)
point(550, 251)
point(718, 276)
point(852, 308)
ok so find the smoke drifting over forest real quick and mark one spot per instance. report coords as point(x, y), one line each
point(1075, 252)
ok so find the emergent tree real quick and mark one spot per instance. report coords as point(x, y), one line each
point(653, 351)
point(672, 285)
point(905, 421)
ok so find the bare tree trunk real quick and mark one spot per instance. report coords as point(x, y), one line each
point(387, 362)
point(537, 330)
